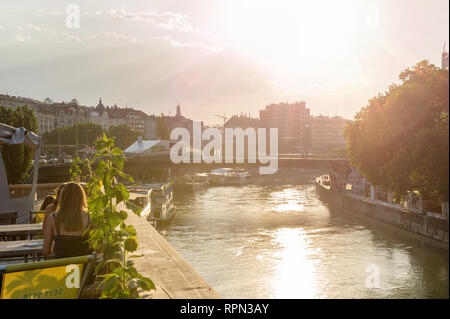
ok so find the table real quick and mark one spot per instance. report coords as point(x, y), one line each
point(20, 229)
point(21, 248)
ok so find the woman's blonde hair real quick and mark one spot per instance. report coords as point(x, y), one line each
point(70, 208)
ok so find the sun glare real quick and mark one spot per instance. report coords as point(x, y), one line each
point(285, 34)
point(296, 267)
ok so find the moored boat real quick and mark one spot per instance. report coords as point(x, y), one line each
point(228, 176)
point(323, 185)
point(162, 207)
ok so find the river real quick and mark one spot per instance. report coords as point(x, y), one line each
point(277, 239)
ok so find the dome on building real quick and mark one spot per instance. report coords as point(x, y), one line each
point(74, 102)
point(48, 101)
point(100, 107)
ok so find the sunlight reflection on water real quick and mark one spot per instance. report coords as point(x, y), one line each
point(282, 241)
point(295, 269)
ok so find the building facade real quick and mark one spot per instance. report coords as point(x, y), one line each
point(150, 127)
point(327, 133)
point(293, 123)
point(179, 121)
point(51, 115)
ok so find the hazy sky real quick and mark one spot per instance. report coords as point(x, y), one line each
point(216, 56)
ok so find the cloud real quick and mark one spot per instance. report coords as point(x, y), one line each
point(33, 33)
point(23, 38)
point(172, 21)
point(27, 32)
point(169, 39)
point(45, 12)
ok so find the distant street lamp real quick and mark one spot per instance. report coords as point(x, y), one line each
point(76, 137)
point(59, 144)
point(87, 137)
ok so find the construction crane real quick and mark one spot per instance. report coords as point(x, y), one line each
point(444, 58)
point(223, 117)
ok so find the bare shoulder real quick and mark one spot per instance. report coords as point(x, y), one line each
point(50, 209)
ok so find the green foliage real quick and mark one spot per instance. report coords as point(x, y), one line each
point(400, 140)
point(162, 129)
point(76, 170)
point(110, 234)
point(123, 135)
point(17, 158)
point(87, 133)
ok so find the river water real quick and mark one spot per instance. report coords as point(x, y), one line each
point(276, 238)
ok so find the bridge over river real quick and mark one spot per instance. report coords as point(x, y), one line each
point(141, 166)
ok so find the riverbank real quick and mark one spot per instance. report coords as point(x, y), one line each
point(173, 276)
point(426, 228)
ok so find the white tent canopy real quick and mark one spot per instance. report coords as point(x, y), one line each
point(23, 205)
point(147, 148)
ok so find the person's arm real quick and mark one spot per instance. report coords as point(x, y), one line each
point(48, 227)
point(48, 211)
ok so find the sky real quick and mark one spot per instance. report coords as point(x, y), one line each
point(216, 56)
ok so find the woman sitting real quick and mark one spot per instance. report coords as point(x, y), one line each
point(67, 226)
point(49, 200)
point(49, 209)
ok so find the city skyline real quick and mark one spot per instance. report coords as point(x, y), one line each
point(211, 56)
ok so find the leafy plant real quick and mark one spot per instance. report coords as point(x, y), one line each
point(110, 234)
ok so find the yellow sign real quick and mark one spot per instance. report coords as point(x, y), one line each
point(61, 282)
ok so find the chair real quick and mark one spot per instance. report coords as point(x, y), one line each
point(63, 278)
point(37, 216)
point(8, 218)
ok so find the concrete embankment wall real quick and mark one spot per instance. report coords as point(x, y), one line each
point(173, 276)
point(429, 228)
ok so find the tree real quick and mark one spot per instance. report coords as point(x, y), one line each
point(162, 129)
point(400, 140)
point(87, 133)
point(123, 135)
point(17, 158)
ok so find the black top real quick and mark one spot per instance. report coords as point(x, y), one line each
point(69, 245)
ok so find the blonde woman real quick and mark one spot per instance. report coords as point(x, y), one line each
point(66, 227)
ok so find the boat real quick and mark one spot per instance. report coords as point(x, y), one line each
point(228, 176)
point(323, 185)
point(197, 182)
point(162, 208)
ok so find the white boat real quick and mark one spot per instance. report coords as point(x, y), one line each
point(197, 181)
point(162, 207)
point(227, 176)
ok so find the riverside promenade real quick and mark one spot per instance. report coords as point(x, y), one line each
point(428, 228)
point(172, 275)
